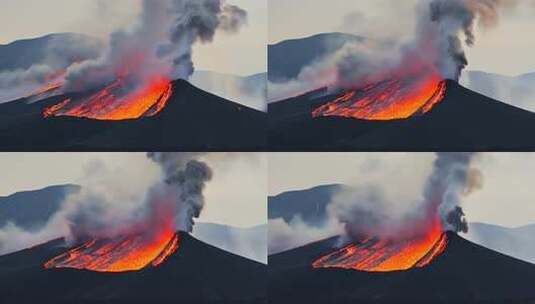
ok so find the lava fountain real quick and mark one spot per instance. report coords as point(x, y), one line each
point(382, 255)
point(118, 101)
point(394, 98)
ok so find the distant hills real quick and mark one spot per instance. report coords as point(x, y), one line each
point(287, 58)
point(515, 90)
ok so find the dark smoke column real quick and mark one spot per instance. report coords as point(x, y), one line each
point(451, 177)
point(445, 21)
point(187, 177)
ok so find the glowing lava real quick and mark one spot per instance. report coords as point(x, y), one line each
point(47, 89)
point(118, 101)
point(376, 255)
point(395, 98)
point(129, 253)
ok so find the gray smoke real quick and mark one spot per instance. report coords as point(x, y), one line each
point(161, 43)
point(455, 219)
point(198, 21)
point(447, 22)
point(367, 212)
point(443, 29)
point(436, 46)
point(171, 202)
point(186, 178)
point(450, 179)
point(57, 53)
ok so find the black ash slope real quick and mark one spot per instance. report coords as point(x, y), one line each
point(195, 273)
point(463, 120)
point(463, 273)
point(192, 120)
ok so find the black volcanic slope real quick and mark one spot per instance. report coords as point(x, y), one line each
point(196, 273)
point(463, 273)
point(192, 120)
point(463, 120)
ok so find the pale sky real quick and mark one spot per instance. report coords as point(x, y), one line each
point(236, 195)
point(507, 49)
point(239, 54)
point(507, 197)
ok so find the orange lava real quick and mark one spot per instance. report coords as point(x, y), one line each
point(396, 98)
point(117, 102)
point(376, 255)
point(121, 254)
point(47, 88)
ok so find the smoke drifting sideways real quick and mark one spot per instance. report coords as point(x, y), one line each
point(365, 211)
point(103, 212)
point(46, 64)
point(160, 44)
point(435, 46)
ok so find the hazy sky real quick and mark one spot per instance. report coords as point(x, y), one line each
point(242, 54)
point(507, 49)
point(507, 197)
point(236, 196)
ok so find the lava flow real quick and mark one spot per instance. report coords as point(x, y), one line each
point(118, 101)
point(395, 98)
point(378, 255)
point(127, 253)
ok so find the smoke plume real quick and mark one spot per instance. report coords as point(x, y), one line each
point(367, 212)
point(46, 64)
point(170, 203)
point(436, 46)
point(160, 44)
point(450, 178)
point(186, 178)
point(112, 206)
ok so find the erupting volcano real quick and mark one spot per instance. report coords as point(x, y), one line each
point(378, 255)
point(120, 254)
point(118, 101)
point(395, 98)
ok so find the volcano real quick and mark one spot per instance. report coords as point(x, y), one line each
point(460, 120)
point(162, 116)
point(194, 273)
point(462, 272)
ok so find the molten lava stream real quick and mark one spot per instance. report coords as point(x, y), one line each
point(376, 255)
point(128, 253)
point(116, 102)
point(390, 99)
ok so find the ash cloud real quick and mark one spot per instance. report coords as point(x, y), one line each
point(447, 22)
point(117, 207)
point(451, 177)
point(366, 210)
point(48, 63)
point(187, 179)
point(436, 45)
point(161, 43)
